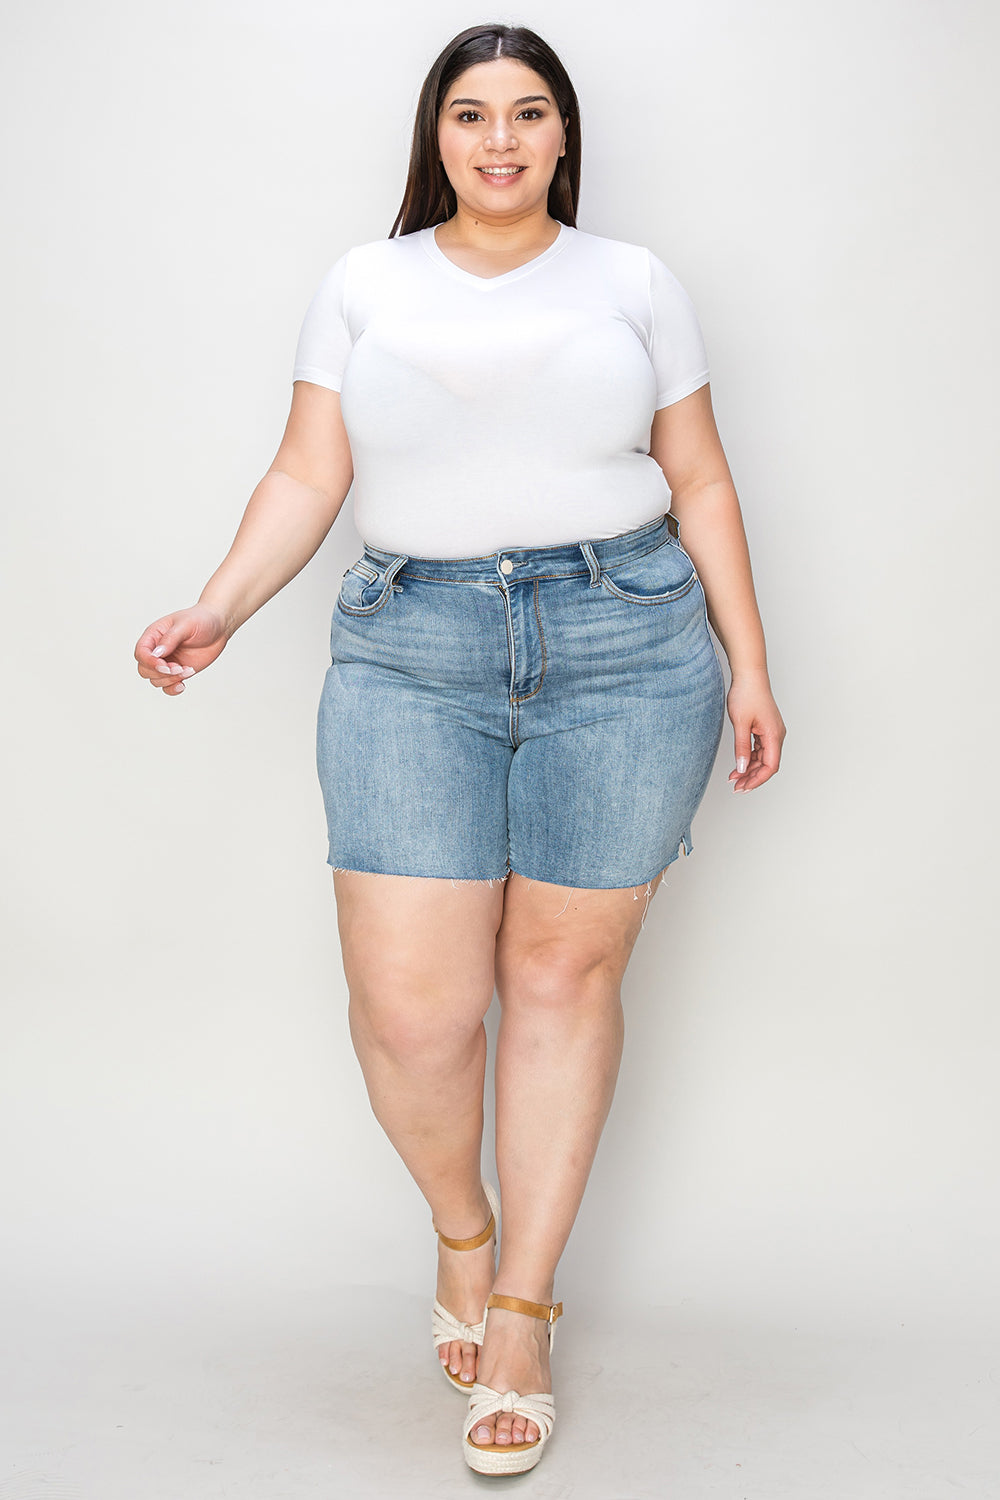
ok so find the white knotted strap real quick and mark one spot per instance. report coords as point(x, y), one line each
point(484, 1402)
point(446, 1328)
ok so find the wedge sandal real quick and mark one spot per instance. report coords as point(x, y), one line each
point(484, 1402)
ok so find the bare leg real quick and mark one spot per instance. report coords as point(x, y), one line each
point(560, 957)
point(418, 956)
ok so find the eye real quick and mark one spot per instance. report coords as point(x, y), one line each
point(530, 114)
point(469, 114)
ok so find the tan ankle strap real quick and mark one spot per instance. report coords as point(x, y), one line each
point(474, 1243)
point(531, 1309)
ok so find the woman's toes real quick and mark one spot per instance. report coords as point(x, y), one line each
point(482, 1433)
point(468, 1365)
point(504, 1422)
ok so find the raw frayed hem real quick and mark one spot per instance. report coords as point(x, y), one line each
point(661, 877)
point(491, 881)
point(642, 890)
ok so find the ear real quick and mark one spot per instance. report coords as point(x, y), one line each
point(562, 149)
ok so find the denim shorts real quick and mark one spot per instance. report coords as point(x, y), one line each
point(555, 711)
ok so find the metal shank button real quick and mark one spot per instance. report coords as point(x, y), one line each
point(506, 566)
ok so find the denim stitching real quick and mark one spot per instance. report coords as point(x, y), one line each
point(653, 598)
point(389, 588)
point(576, 573)
point(545, 659)
point(509, 625)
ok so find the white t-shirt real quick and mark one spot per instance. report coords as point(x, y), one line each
point(512, 411)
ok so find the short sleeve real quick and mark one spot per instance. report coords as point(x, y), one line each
point(676, 346)
point(325, 339)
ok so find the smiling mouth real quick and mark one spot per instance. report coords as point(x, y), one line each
point(500, 171)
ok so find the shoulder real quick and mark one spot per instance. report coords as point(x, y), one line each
point(365, 269)
point(384, 255)
point(624, 265)
point(628, 271)
point(615, 255)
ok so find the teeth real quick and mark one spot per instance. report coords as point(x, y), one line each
point(501, 171)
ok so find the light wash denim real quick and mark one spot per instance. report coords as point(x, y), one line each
point(555, 711)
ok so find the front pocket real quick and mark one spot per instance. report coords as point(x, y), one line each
point(364, 589)
point(654, 578)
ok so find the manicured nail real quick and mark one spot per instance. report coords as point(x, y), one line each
point(159, 651)
point(189, 671)
point(741, 764)
point(482, 1434)
point(466, 1376)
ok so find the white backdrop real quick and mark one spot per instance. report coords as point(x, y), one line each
point(806, 1125)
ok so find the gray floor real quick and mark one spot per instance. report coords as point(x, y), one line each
point(290, 1397)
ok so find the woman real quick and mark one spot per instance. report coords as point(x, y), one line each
point(524, 702)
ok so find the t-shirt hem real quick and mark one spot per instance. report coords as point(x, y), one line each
point(668, 398)
point(316, 377)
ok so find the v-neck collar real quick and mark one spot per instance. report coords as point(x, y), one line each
point(484, 283)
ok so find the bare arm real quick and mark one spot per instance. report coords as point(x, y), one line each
point(685, 443)
point(286, 520)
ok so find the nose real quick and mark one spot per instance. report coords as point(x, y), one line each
point(500, 137)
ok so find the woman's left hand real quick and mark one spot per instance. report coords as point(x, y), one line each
point(759, 730)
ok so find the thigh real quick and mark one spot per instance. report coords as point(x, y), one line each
point(564, 932)
point(418, 942)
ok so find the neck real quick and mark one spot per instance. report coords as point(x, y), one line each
point(525, 232)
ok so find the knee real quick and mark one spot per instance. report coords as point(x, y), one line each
point(418, 1026)
point(553, 976)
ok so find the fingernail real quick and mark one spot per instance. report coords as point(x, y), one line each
point(741, 764)
point(178, 687)
point(158, 651)
point(189, 671)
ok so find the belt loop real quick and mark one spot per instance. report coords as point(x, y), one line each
point(592, 564)
point(673, 525)
point(398, 563)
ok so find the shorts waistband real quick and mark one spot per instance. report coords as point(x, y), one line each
point(513, 564)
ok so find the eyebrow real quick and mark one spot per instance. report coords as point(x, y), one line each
point(528, 99)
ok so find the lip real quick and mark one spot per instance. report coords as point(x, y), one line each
point(504, 175)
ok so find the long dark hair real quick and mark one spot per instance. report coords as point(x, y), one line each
point(429, 197)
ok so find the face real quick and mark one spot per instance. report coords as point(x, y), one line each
point(500, 136)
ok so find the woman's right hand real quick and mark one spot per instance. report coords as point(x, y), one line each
point(289, 514)
point(175, 647)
